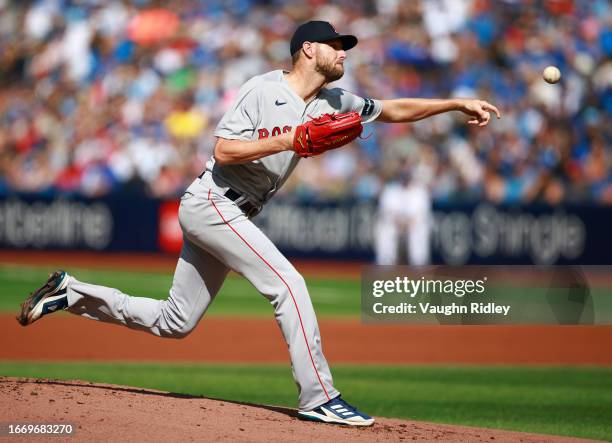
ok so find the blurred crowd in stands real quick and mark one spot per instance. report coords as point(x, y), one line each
point(105, 96)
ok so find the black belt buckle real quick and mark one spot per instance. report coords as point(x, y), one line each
point(249, 209)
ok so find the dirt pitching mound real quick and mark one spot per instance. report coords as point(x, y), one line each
point(100, 412)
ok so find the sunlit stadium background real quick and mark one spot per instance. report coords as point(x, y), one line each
point(107, 111)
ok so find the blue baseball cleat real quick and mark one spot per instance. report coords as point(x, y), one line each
point(49, 298)
point(337, 411)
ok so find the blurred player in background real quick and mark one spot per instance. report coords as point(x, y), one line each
point(404, 220)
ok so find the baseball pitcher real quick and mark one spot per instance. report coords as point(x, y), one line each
point(277, 119)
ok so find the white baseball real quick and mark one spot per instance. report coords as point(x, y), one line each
point(551, 74)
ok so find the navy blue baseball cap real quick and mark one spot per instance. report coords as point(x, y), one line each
point(319, 31)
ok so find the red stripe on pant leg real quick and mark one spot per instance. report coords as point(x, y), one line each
point(285, 283)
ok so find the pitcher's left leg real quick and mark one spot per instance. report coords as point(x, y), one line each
point(197, 279)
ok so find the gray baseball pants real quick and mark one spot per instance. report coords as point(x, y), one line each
point(218, 237)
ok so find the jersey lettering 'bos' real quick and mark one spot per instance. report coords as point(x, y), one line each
point(265, 133)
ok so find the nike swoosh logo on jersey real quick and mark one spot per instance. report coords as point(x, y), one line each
point(278, 102)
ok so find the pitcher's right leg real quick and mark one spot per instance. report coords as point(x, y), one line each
point(235, 240)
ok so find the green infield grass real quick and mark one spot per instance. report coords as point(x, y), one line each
point(331, 297)
point(236, 298)
point(560, 401)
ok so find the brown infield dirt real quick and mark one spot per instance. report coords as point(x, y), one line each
point(100, 412)
point(245, 340)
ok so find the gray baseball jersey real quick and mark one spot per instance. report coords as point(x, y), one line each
point(267, 106)
point(218, 236)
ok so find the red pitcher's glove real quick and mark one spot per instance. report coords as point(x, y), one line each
point(330, 131)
